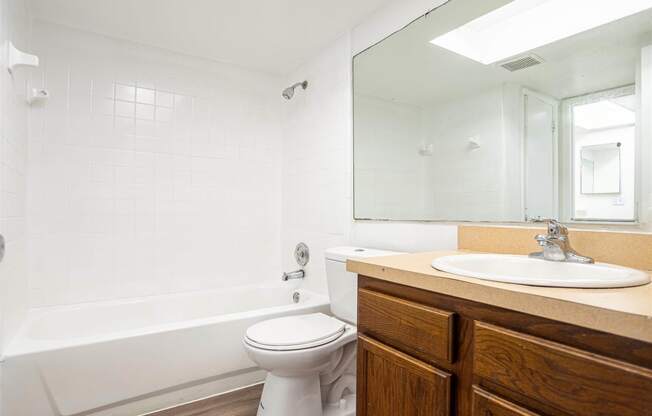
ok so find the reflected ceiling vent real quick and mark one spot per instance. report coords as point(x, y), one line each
point(522, 62)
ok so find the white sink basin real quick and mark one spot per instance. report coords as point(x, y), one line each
point(535, 272)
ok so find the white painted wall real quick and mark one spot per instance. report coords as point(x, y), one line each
point(150, 172)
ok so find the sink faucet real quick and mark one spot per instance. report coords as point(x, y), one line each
point(297, 274)
point(556, 245)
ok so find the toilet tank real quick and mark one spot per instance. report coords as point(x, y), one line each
point(343, 285)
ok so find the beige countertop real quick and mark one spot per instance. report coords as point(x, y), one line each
point(626, 312)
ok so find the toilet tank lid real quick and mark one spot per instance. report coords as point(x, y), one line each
point(344, 253)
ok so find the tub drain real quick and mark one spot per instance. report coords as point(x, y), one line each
point(296, 297)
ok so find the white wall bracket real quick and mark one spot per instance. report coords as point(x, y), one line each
point(474, 143)
point(16, 58)
point(37, 96)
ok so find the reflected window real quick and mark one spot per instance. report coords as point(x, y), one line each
point(603, 133)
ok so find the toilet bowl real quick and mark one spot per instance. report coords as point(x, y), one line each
point(310, 359)
point(299, 353)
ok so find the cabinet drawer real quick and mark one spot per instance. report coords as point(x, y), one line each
point(571, 380)
point(419, 330)
point(487, 404)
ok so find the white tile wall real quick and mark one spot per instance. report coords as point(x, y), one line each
point(14, 26)
point(316, 160)
point(149, 172)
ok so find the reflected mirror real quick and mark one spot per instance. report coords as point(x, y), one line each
point(600, 169)
point(507, 111)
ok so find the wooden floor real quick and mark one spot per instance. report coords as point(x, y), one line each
point(242, 402)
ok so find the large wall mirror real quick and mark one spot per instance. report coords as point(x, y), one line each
point(508, 111)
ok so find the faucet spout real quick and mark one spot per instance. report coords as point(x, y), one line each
point(297, 274)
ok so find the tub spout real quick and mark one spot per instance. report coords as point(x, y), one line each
point(297, 274)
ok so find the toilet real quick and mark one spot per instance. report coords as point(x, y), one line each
point(310, 359)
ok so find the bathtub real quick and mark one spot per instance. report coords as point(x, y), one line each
point(133, 356)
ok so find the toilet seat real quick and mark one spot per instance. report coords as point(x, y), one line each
point(293, 333)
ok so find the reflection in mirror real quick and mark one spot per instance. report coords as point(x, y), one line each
point(507, 111)
point(603, 134)
point(600, 169)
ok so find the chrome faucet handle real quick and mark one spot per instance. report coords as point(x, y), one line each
point(555, 228)
point(541, 239)
point(556, 244)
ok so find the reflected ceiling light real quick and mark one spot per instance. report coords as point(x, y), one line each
point(523, 25)
point(601, 115)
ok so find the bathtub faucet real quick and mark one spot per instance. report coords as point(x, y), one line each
point(297, 274)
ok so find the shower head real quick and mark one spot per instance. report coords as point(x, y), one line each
point(288, 93)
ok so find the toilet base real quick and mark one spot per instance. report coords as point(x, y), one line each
point(346, 407)
point(283, 396)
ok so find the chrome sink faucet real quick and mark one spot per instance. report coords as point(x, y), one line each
point(556, 245)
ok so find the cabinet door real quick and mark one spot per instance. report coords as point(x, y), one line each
point(391, 383)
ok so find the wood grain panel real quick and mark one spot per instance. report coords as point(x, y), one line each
point(574, 381)
point(487, 404)
point(626, 249)
point(423, 331)
point(243, 402)
point(391, 383)
point(620, 348)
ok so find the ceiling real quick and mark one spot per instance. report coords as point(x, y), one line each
point(270, 35)
point(406, 68)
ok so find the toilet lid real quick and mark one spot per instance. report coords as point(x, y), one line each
point(294, 332)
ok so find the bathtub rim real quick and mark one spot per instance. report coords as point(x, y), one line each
point(23, 345)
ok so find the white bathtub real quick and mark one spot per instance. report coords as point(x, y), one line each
point(132, 356)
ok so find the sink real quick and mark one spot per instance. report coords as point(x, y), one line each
point(535, 272)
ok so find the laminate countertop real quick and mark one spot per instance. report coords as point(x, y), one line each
point(626, 312)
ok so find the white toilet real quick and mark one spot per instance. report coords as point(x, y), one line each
point(310, 359)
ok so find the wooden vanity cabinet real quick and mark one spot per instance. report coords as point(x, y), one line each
point(394, 383)
point(423, 353)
